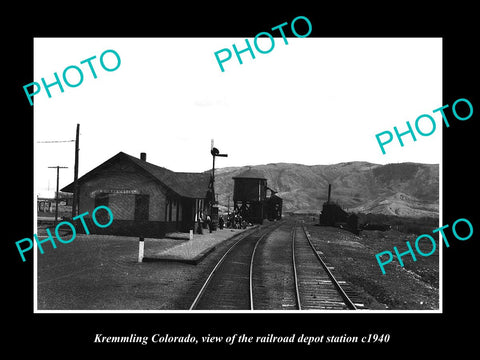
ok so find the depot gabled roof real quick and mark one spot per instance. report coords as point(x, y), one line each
point(191, 185)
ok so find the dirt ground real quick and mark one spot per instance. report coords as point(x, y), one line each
point(102, 272)
point(412, 287)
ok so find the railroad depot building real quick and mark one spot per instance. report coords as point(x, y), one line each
point(145, 199)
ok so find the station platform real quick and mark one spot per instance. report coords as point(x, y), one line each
point(195, 250)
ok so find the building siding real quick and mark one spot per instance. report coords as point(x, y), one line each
point(121, 183)
point(123, 177)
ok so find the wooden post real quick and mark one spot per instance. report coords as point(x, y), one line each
point(75, 203)
point(140, 249)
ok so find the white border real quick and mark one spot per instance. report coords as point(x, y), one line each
point(299, 312)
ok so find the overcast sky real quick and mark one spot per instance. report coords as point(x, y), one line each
point(313, 101)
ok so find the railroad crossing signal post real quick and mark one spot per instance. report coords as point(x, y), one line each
point(215, 152)
point(56, 194)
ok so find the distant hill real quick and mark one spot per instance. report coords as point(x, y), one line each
point(404, 189)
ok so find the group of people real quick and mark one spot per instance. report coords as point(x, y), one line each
point(234, 221)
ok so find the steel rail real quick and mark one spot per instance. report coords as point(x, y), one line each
point(342, 293)
point(295, 277)
point(202, 290)
point(251, 271)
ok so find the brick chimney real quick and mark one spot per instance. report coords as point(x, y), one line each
point(143, 156)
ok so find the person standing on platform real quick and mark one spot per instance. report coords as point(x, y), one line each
point(209, 223)
point(200, 225)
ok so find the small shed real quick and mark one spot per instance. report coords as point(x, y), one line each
point(273, 207)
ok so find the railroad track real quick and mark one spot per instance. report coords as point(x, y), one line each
point(228, 286)
point(275, 268)
point(316, 287)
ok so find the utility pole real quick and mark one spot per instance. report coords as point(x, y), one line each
point(56, 194)
point(75, 202)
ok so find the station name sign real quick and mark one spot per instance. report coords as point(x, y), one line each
point(114, 191)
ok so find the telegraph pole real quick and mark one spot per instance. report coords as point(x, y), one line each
point(56, 194)
point(75, 202)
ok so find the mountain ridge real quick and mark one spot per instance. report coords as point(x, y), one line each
point(402, 189)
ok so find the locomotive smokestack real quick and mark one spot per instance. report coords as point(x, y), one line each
point(329, 192)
